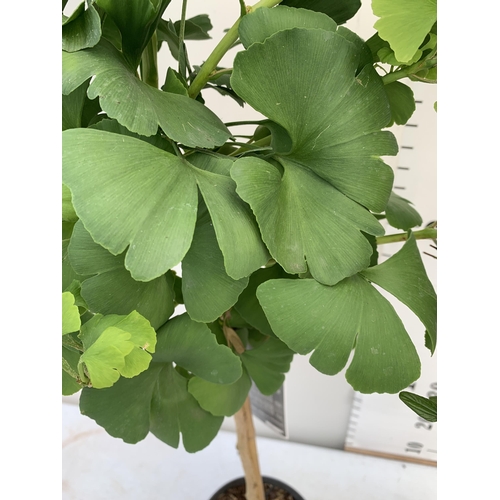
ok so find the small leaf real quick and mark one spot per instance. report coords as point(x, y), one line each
point(137, 21)
point(194, 347)
point(82, 29)
point(404, 276)
point(111, 289)
point(115, 345)
point(267, 364)
point(137, 105)
point(157, 400)
point(402, 102)
point(423, 407)
point(400, 214)
point(404, 24)
point(206, 288)
point(331, 320)
point(70, 314)
point(221, 400)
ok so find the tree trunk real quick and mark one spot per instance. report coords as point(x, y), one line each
point(247, 448)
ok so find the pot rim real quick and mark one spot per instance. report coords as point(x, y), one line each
point(270, 480)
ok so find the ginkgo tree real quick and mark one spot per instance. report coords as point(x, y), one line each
point(276, 236)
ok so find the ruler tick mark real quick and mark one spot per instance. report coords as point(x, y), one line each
point(399, 187)
point(411, 125)
point(406, 147)
point(403, 168)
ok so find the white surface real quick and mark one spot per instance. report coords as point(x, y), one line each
point(99, 467)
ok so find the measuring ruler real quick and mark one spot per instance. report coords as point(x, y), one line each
point(381, 424)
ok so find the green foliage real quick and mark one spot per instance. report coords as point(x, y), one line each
point(276, 238)
point(404, 24)
point(423, 407)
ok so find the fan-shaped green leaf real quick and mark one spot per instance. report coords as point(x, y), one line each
point(112, 290)
point(131, 194)
point(115, 345)
point(194, 347)
point(136, 20)
point(82, 29)
point(332, 320)
point(339, 10)
point(341, 112)
point(267, 364)
point(402, 102)
point(301, 218)
point(106, 357)
point(237, 233)
point(401, 214)
point(158, 401)
point(404, 24)
point(404, 276)
point(135, 104)
point(206, 288)
point(221, 400)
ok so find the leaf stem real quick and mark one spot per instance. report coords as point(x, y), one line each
point(409, 71)
point(423, 234)
point(222, 47)
point(149, 62)
point(182, 52)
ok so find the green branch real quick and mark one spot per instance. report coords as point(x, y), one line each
point(220, 50)
point(424, 234)
point(149, 63)
point(409, 71)
point(182, 49)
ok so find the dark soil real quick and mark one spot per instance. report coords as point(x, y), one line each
point(238, 493)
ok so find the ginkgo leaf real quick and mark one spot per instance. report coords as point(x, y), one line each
point(206, 288)
point(158, 400)
point(111, 347)
point(423, 407)
point(335, 159)
point(267, 364)
point(106, 357)
point(332, 320)
point(82, 29)
point(400, 213)
point(402, 102)
point(262, 23)
point(404, 24)
point(111, 289)
point(137, 105)
point(403, 275)
point(304, 219)
point(221, 400)
point(339, 10)
point(70, 314)
point(136, 20)
point(133, 196)
point(194, 347)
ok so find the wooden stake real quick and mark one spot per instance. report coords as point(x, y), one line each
point(247, 448)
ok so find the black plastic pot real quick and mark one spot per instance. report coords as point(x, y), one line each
point(269, 480)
